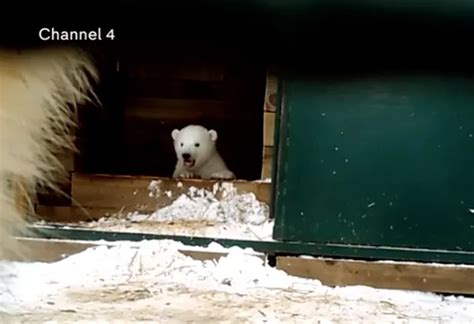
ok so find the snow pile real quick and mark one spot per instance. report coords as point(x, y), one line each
point(223, 212)
point(159, 263)
point(203, 205)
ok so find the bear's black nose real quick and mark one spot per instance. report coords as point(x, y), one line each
point(186, 156)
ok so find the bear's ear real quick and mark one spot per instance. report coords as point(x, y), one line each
point(174, 134)
point(213, 134)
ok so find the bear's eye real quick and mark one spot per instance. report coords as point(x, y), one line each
point(197, 144)
point(181, 144)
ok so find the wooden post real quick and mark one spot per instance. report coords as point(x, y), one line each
point(269, 111)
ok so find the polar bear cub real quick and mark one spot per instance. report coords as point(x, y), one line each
point(195, 148)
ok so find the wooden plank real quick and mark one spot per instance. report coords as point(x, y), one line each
point(166, 68)
point(180, 109)
point(132, 192)
point(228, 90)
point(67, 160)
point(268, 128)
point(73, 214)
point(396, 275)
point(43, 250)
point(267, 162)
point(205, 255)
point(270, 103)
point(271, 91)
point(52, 250)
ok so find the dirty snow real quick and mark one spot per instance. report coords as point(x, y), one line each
point(150, 281)
point(221, 213)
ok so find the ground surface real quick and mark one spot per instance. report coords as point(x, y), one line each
point(152, 282)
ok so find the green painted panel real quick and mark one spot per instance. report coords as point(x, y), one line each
point(377, 160)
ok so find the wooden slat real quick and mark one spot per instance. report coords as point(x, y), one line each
point(271, 90)
point(228, 90)
point(397, 275)
point(67, 160)
point(73, 214)
point(203, 255)
point(131, 192)
point(180, 109)
point(164, 68)
point(271, 93)
point(268, 128)
point(42, 250)
point(52, 250)
point(267, 162)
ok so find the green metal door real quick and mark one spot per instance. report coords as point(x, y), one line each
point(378, 161)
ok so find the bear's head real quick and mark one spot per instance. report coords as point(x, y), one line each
point(194, 145)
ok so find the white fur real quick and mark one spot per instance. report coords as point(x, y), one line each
point(208, 164)
point(38, 88)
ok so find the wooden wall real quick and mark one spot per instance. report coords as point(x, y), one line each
point(160, 91)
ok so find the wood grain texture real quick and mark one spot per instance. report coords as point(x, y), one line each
point(74, 214)
point(67, 160)
point(269, 108)
point(397, 275)
point(271, 91)
point(180, 109)
point(44, 250)
point(53, 250)
point(132, 192)
point(267, 162)
point(268, 128)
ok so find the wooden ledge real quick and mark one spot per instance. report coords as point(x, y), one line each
point(98, 195)
point(53, 250)
point(438, 278)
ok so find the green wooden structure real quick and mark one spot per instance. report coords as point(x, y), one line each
point(380, 161)
point(375, 135)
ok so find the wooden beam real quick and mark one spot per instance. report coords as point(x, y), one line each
point(393, 275)
point(97, 196)
point(164, 109)
point(67, 160)
point(271, 91)
point(144, 67)
point(132, 193)
point(49, 250)
point(269, 108)
point(42, 250)
point(268, 128)
point(74, 214)
point(204, 255)
point(267, 162)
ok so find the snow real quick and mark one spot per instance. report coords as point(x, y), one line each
point(266, 180)
point(223, 212)
point(152, 281)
